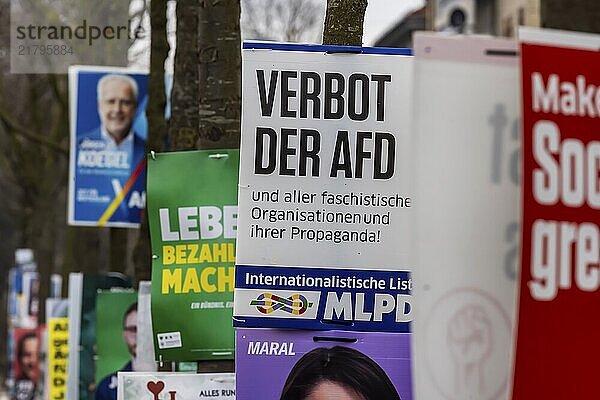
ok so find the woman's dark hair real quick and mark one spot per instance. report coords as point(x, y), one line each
point(342, 365)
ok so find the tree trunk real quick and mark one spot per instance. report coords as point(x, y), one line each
point(157, 125)
point(206, 96)
point(344, 22)
point(207, 81)
point(184, 124)
point(118, 250)
point(220, 74)
point(219, 90)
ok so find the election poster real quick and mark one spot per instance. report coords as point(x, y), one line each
point(57, 323)
point(116, 335)
point(466, 231)
point(29, 302)
point(324, 186)
point(58, 350)
point(26, 362)
point(23, 300)
point(83, 290)
point(14, 286)
point(193, 218)
point(107, 173)
point(276, 364)
point(22, 304)
point(558, 297)
point(176, 386)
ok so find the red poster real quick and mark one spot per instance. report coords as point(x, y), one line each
point(26, 362)
point(558, 332)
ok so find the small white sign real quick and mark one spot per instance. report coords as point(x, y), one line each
point(175, 386)
point(169, 340)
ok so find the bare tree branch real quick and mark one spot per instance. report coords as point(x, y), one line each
point(15, 128)
point(282, 20)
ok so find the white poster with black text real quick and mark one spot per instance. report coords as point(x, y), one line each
point(324, 195)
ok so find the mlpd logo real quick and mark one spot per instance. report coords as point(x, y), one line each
point(268, 303)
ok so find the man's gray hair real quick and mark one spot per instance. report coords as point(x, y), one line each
point(123, 78)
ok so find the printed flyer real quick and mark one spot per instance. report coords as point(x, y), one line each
point(83, 290)
point(58, 348)
point(116, 335)
point(29, 304)
point(26, 362)
point(558, 298)
point(14, 286)
point(23, 287)
point(175, 386)
point(27, 287)
point(324, 176)
point(192, 212)
point(466, 231)
point(107, 173)
point(293, 364)
point(58, 351)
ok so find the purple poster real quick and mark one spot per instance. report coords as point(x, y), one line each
point(291, 365)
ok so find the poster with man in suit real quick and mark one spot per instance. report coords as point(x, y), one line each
point(108, 146)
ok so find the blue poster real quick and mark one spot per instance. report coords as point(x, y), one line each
point(107, 175)
point(322, 299)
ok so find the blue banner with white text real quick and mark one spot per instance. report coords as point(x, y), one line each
point(322, 298)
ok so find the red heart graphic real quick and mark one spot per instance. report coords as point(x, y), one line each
point(155, 388)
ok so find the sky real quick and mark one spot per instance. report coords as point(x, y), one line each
point(382, 15)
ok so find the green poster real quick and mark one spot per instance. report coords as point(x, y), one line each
point(83, 290)
point(116, 328)
point(192, 211)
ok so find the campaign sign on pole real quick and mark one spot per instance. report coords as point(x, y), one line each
point(58, 348)
point(108, 146)
point(26, 362)
point(58, 351)
point(175, 386)
point(558, 298)
point(276, 364)
point(192, 211)
point(29, 303)
point(116, 334)
point(324, 174)
point(466, 158)
point(83, 290)
point(14, 288)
